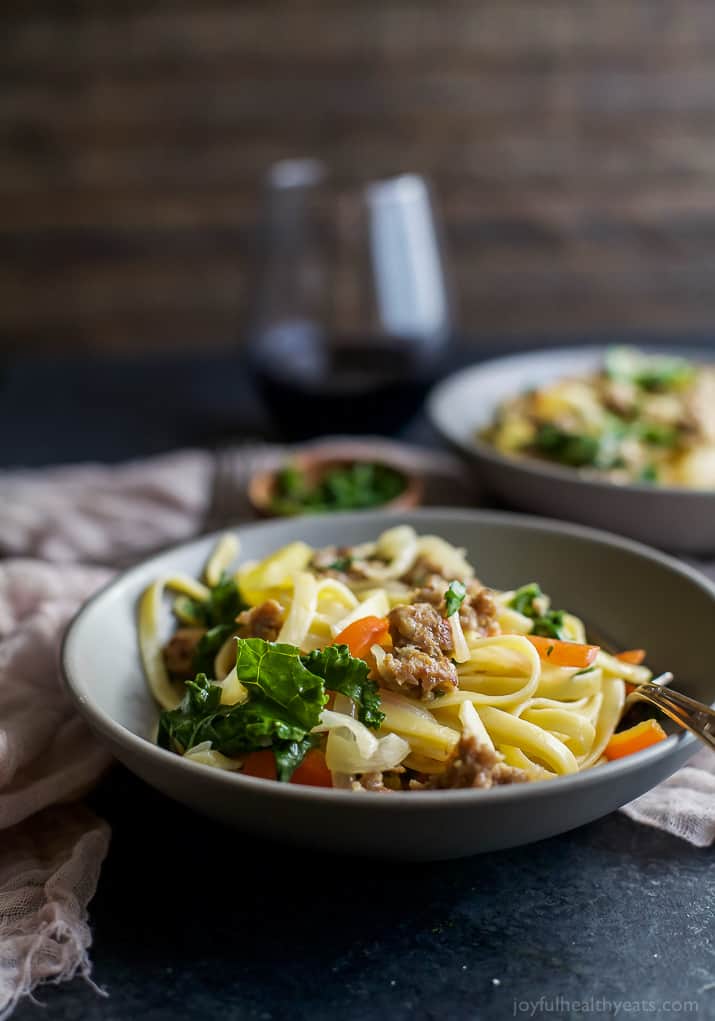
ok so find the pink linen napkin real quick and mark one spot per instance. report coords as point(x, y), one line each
point(684, 804)
point(50, 852)
point(56, 528)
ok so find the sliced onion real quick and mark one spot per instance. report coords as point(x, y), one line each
point(203, 746)
point(343, 704)
point(401, 701)
point(232, 691)
point(352, 748)
point(225, 659)
point(205, 754)
point(378, 654)
point(398, 546)
point(461, 649)
point(338, 589)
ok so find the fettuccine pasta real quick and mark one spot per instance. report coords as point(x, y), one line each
point(384, 666)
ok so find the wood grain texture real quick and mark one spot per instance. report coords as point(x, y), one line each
point(571, 144)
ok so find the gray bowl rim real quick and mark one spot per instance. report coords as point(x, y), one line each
point(545, 469)
point(102, 722)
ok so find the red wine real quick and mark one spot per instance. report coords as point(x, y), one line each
point(350, 385)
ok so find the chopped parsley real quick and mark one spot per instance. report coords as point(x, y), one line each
point(550, 624)
point(354, 486)
point(341, 564)
point(530, 601)
point(523, 599)
point(454, 597)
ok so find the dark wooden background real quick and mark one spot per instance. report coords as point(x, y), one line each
point(572, 144)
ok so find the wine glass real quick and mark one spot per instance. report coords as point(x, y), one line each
point(352, 314)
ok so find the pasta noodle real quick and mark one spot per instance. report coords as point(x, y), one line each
point(225, 553)
point(149, 628)
point(436, 681)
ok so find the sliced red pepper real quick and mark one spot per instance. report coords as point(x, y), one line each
point(560, 653)
point(361, 635)
point(635, 739)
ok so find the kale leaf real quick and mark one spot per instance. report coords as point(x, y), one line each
point(223, 605)
point(290, 754)
point(574, 449)
point(344, 673)
point(190, 612)
point(278, 673)
point(178, 727)
point(225, 602)
point(287, 692)
point(218, 614)
point(581, 450)
point(231, 729)
point(208, 647)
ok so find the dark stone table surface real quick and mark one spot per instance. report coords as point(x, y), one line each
point(193, 920)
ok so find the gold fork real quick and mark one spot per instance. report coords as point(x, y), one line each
point(686, 712)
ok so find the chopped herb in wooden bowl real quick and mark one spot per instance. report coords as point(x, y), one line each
point(336, 475)
point(357, 485)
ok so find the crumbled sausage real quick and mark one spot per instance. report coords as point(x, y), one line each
point(179, 652)
point(371, 782)
point(323, 559)
point(479, 611)
point(421, 626)
point(417, 673)
point(421, 638)
point(475, 765)
point(264, 621)
point(432, 591)
point(421, 572)
point(338, 562)
point(620, 396)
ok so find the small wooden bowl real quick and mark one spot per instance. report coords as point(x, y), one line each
point(319, 460)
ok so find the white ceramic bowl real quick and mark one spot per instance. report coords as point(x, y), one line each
point(636, 596)
point(680, 520)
